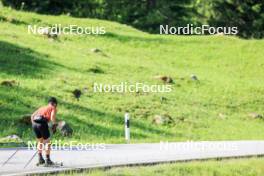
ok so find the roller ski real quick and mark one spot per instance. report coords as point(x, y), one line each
point(56, 164)
point(41, 161)
point(49, 163)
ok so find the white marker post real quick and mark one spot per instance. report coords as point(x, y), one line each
point(127, 130)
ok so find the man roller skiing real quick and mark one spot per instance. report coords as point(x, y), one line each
point(40, 120)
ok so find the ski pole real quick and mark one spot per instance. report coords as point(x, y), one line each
point(10, 157)
point(31, 159)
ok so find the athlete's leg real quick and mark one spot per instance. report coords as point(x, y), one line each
point(40, 147)
point(37, 130)
point(47, 146)
point(46, 137)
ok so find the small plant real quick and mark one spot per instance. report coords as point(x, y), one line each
point(96, 69)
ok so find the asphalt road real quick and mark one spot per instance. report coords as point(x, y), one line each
point(128, 154)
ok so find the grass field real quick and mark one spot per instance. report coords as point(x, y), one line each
point(230, 72)
point(236, 167)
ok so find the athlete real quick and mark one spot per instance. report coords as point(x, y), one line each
point(40, 123)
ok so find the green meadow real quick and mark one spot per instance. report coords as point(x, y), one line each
point(230, 81)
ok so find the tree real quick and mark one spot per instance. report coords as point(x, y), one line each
point(80, 8)
point(149, 14)
point(247, 15)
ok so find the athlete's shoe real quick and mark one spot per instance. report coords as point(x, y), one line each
point(41, 161)
point(48, 162)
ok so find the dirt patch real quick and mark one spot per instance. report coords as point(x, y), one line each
point(165, 79)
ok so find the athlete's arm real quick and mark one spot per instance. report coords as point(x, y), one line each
point(53, 116)
point(53, 119)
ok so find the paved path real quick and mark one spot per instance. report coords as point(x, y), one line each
point(129, 154)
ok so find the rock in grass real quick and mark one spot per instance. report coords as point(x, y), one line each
point(162, 99)
point(85, 89)
point(53, 34)
point(12, 138)
point(194, 77)
point(8, 83)
point(77, 93)
point(255, 115)
point(162, 119)
point(165, 79)
point(44, 31)
point(64, 128)
point(96, 50)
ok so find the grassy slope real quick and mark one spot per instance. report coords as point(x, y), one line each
point(242, 167)
point(230, 72)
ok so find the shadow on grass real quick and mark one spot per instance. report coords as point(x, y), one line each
point(20, 61)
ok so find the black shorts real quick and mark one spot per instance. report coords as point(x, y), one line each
point(41, 130)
